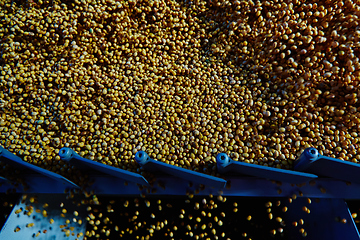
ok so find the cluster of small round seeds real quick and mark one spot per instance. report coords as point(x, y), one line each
point(33, 207)
point(183, 81)
point(200, 217)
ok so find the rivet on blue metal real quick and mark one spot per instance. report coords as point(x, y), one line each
point(15, 161)
point(312, 161)
point(226, 164)
point(148, 164)
point(69, 155)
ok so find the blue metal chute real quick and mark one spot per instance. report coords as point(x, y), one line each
point(6, 184)
point(143, 159)
point(2, 179)
point(67, 154)
point(41, 222)
point(15, 161)
point(226, 164)
point(248, 180)
point(324, 220)
point(312, 161)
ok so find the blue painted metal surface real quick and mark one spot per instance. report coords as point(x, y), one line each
point(16, 226)
point(312, 162)
point(226, 164)
point(75, 159)
point(36, 183)
point(143, 159)
point(2, 179)
point(107, 180)
point(328, 219)
point(324, 222)
point(174, 186)
point(15, 161)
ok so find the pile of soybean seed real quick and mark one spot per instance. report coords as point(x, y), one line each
point(181, 80)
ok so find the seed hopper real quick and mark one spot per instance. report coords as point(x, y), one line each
point(316, 192)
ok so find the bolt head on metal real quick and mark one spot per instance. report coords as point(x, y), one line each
point(311, 153)
point(222, 160)
point(141, 157)
point(66, 154)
